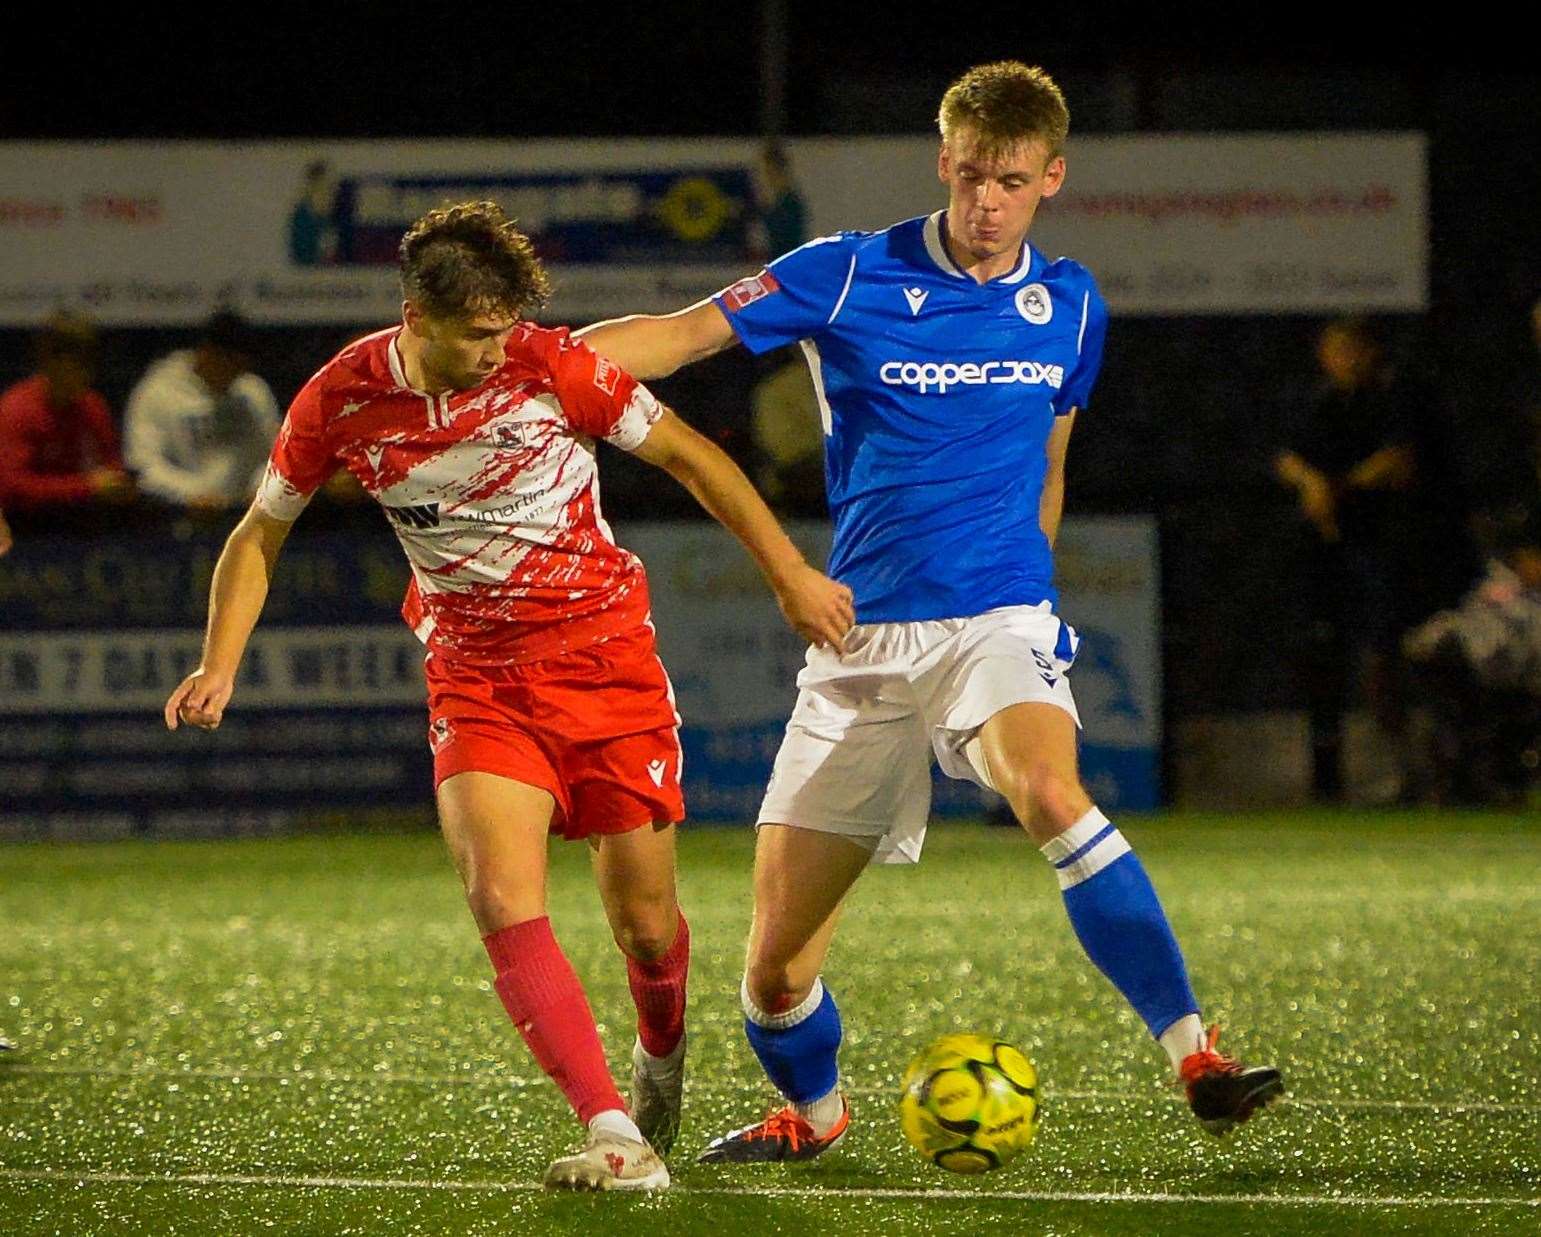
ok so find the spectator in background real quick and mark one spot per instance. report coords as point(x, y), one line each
point(58, 447)
point(1366, 468)
point(199, 424)
point(781, 219)
point(1478, 668)
point(313, 219)
point(5, 536)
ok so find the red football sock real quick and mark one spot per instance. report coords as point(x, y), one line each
point(542, 995)
point(658, 988)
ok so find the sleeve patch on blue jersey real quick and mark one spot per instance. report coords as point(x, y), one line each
point(746, 292)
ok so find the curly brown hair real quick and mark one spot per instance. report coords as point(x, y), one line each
point(1005, 103)
point(469, 258)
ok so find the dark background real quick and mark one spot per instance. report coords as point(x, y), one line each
point(1188, 411)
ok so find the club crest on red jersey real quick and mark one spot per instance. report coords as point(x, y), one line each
point(512, 436)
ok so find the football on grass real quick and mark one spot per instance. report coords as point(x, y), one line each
point(970, 1103)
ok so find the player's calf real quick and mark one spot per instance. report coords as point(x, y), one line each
point(658, 1057)
point(798, 1048)
point(546, 1003)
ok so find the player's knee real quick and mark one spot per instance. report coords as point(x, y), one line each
point(773, 987)
point(1045, 800)
point(499, 903)
point(646, 931)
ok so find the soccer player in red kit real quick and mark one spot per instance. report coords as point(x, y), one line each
point(549, 711)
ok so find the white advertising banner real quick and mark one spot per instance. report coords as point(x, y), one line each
point(305, 232)
point(1292, 223)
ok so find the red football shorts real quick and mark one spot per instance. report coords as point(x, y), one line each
point(595, 726)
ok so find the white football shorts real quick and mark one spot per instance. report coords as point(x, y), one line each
point(856, 759)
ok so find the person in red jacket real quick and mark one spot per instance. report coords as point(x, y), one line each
point(58, 446)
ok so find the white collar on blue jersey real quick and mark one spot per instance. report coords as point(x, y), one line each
point(938, 254)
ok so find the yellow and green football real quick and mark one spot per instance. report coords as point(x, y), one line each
point(970, 1103)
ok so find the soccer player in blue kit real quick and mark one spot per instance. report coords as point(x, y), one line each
point(950, 359)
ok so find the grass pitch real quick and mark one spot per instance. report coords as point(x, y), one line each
point(300, 1036)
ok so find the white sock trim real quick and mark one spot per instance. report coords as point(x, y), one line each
point(780, 1022)
point(1084, 849)
point(664, 1064)
point(614, 1121)
point(1075, 837)
point(1111, 848)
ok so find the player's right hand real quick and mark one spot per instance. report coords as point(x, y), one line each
point(200, 700)
point(822, 611)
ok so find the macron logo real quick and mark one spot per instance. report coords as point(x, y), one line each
point(656, 770)
point(928, 376)
point(916, 297)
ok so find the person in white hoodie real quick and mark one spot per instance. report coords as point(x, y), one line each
point(200, 423)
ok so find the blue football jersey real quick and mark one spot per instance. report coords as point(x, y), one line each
point(938, 395)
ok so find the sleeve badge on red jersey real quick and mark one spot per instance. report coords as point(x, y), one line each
point(747, 291)
point(606, 375)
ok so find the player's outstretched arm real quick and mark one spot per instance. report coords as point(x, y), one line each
point(654, 346)
point(819, 609)
point(240, 587)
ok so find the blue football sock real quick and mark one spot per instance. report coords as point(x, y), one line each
point(1118, 918)
point(797, 1048)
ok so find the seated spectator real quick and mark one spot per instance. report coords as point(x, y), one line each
point(1479, 670)
point(58, 447)
point(199, 424)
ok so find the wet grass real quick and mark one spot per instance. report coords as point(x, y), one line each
point(300, 1036)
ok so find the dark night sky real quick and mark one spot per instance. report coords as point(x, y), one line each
point(685, 68)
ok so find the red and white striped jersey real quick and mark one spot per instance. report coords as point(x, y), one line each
point(492, 492)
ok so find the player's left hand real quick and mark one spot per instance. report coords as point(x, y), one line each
point(822, 611)
point(199, 700)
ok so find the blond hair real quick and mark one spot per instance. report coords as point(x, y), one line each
point(1003, 104)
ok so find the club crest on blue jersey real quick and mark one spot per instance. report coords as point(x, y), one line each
point(1034, 304)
